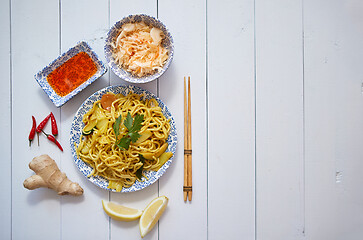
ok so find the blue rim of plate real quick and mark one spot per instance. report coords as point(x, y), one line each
point(41, 76)
point(112, 36)
point(76, 132)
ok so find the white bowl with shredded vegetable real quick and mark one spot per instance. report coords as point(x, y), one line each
point(139, 48)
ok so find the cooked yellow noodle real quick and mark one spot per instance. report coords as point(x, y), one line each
point(107, 160)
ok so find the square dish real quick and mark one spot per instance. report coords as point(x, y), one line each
point(42, 76)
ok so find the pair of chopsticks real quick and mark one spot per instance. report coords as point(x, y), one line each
point(187, 188)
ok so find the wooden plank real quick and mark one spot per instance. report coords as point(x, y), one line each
point(5, 121)
point(231, 120)
point(186, 21)
point(35, 42)
point(139, 199)
point(279, 120)
point(82, 20)
point(334, 116)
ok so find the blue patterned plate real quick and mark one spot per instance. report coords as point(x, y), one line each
point(115, 31)
point(41, 76)
point(76, 132)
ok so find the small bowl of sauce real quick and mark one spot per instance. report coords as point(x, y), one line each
point(70, 73)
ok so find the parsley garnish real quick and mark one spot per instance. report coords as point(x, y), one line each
point(133, 125)
point(116, 126)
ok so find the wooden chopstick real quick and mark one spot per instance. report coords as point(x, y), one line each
point(189, 143)
point(187, 189)
point(185, 143)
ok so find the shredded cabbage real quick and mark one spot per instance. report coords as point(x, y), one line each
point(138, 49)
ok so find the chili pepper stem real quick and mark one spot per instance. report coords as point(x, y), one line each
point(52, 139)
point(46, 134)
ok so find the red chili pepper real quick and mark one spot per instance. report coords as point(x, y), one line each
point(54, 124)
point(42, 124)
point(32, 131)
point(52, 138)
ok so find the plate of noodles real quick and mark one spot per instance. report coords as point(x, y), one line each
point(123, 138)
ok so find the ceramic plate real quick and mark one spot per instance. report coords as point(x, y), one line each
point(76, 132)
point(112, 35)
point(41, 76)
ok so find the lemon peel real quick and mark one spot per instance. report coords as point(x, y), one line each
point(121, 213)
point(151, 214)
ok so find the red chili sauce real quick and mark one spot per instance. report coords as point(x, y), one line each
point(72, 73)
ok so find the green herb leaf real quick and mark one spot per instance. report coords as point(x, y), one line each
point(124, 143)
point(142, 159)
point(137, 123)
point(116, 126)
point(134, 136)
point(128, 121)
point(138, 173)
point(133, 125)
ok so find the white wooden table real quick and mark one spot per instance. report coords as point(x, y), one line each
point(277, 119)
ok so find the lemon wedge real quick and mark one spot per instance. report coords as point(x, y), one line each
point(119, 212)
point(151, 214)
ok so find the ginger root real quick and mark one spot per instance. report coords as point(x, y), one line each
point(49, 175)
